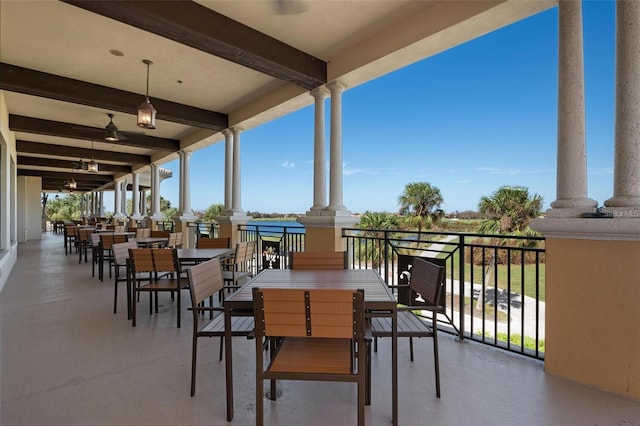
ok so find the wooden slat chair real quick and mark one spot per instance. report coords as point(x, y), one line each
point(120, 271)
point(107, 240)
point(320, 334)
point(175, 240)
point(143, 232)
point(426, 283)
point(161, 268)
point(120, 228)
point(239, 268)
point(205, 280)
point(213, 243)
point(160, 234)
point(84, 243)
point(318, 260)
point(95, 247)
point(69, 238)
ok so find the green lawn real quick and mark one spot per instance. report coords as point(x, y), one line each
point(503, 275)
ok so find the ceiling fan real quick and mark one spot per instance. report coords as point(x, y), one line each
point(114, 135)
point(80, 165)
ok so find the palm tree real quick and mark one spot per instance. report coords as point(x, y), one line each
point(422, 201)
point(373, 225)
point(509, 211)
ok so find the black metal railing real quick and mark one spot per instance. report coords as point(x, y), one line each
point(204, 229)
point(274, 243)
point(494, 283)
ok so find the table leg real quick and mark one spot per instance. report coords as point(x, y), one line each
point(394, 366)
point(228, 363)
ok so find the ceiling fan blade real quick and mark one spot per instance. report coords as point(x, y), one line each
point(289, 7)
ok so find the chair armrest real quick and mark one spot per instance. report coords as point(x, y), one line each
point(368, 335)
point(421, 308)
point(206, 309)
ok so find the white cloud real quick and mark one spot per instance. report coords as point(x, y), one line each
point(288, 164)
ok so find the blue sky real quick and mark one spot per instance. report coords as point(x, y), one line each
point(467, 120)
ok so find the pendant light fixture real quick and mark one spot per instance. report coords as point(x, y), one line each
point(73, 184)
point(146, 111)
point(92, 166)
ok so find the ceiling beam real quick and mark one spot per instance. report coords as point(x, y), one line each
point(20, 123)
point(78, 176)
point(197, 26)
point(36, 83)
point(26, 147)
point(66, 164)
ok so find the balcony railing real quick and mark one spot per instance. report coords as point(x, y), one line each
point(495, 289)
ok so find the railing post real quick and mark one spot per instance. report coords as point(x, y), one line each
point(461, 280)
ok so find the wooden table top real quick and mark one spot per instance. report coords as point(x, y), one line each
point(195, 254)
point(376, 292)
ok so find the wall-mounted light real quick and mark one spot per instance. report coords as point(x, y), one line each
point(73, 184)
point(146, 111)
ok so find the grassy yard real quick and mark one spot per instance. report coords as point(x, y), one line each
point(516, 275)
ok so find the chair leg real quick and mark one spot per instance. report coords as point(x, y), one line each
point(436, 362)
point(259, 401)
point(367, 399)
point(115, 295)
point(179, 305)
point(375, 344)
point(194, 353)
point(272, 350)
point(411, 347)
point(361, 400)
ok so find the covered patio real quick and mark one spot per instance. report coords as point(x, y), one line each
point(67, 359)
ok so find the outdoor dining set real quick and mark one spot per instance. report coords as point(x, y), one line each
point(318, 320)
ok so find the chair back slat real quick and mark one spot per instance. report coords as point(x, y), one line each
point(107, 241)
point(165, 260)
point(174, 239)
point(205, 280)
point(318, 260)
point(143, 232)
point(213, 243)
point(141, 259)
point(427, 279)
point(327, 313)
point(121, 251)
point(159, 234)
point(120, 239)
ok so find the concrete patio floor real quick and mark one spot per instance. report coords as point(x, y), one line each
point(67, 359)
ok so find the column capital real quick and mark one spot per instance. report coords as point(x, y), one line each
point(319, 93)
point(336, 86)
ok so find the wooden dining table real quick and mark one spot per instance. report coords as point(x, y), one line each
point(195, 255)
point(378, 300)
point(151, 241)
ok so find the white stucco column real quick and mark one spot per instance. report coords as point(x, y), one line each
point(335, 149)
point(143, 201)
point(117, 200)
point(101, 204)
point(123, 194)
point(185, 183)
point(236, 198)
point(571, 185)
point(135, 197)
point(228, 171)
point(319, 158)
point(155, 192)
point(626, 174)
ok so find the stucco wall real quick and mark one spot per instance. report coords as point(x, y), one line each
point(593, 313)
